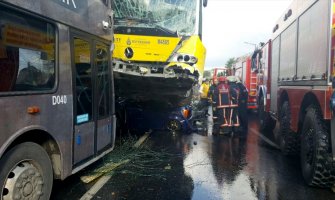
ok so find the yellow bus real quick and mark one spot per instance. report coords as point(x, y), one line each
point(158, 51)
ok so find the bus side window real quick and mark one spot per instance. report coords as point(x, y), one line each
point(103, 80)
point(27, 53)
point(8, 68)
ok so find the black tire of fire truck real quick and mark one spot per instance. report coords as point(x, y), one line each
point(266, 123)
point(316, 163)
point(26, 172)
point(288, 140)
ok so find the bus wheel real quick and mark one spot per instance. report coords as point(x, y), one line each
point(288, 139)
point(26, 173)
point(265, 121)
point(316, 162)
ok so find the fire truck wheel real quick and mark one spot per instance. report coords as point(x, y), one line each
point(26, 173)
point(288, 139)
point(316, 162)
point(266, 123)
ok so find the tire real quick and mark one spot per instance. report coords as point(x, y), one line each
point(26, 173)
point(288, 140)
point(316, 161)
point(173, 125)
point(266, 123)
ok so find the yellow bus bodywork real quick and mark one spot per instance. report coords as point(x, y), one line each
point(160, 49)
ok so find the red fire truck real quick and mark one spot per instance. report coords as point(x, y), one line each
point(298, 66)
point(261, 65)
point(246, 72)
point(220, 71)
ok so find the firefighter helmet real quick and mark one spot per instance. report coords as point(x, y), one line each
point(222, 79)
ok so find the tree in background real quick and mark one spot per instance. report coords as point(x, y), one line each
point(207, 74)
point(230, 62)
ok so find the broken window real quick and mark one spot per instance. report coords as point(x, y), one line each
point(175, 15)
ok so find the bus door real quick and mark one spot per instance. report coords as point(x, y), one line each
point(92, 97)
point(103, 96)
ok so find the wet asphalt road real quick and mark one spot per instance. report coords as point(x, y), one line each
point(202, 166)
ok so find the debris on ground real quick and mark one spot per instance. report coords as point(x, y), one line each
point(102, 171)
point(142, 139)
point(133, 157)
point(108, 167)
point(168, 167)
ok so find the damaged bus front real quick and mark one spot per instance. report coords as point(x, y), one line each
point(158, 50)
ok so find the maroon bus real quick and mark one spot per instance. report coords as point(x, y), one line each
point(56, 92)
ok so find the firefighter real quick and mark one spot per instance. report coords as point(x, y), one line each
point(234, 94)
point(213, 95)
point(232, 105)
point(223, 102)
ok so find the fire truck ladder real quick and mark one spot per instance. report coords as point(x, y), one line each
point(253, 84)
point(252, 91)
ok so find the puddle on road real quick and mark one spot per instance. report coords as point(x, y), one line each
point(216, 167)
point(200, 167)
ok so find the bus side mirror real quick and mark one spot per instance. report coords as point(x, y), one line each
point(204, 3)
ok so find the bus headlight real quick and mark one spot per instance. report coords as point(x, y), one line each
point(184, 58)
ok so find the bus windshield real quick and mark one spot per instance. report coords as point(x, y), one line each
point(177, 16)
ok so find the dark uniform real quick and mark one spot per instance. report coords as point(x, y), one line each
point(232, 104)
point(234, 91)
point(213, 94)
point(243, 108)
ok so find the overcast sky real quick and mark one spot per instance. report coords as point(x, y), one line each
point(227, 24)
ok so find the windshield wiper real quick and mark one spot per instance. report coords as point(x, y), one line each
point(132, 19)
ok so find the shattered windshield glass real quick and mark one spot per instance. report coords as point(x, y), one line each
point(173, 15)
